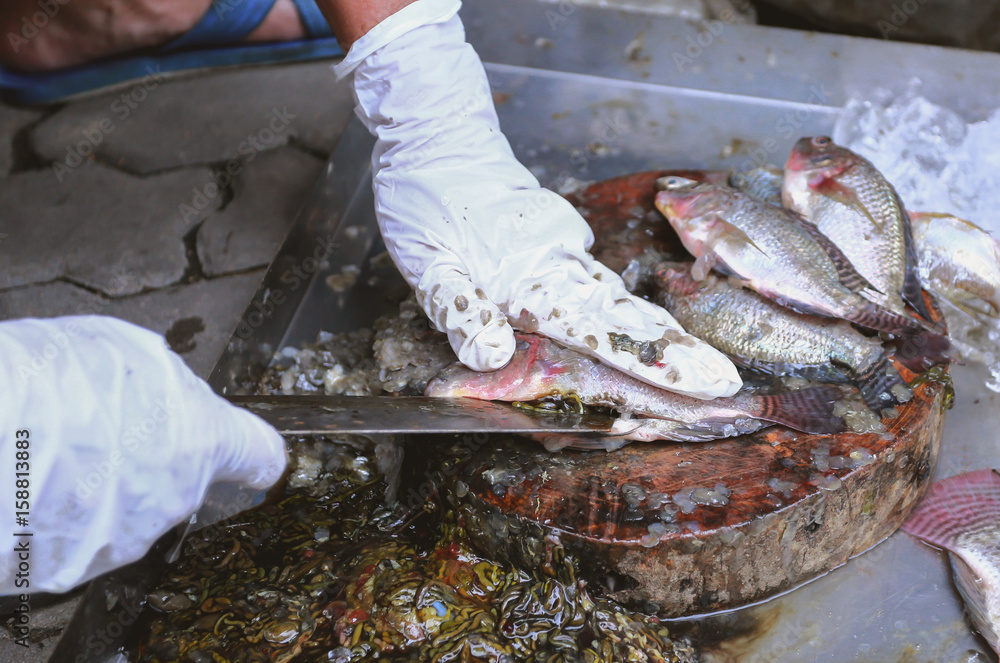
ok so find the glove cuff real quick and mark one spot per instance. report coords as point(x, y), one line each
point(418, 14)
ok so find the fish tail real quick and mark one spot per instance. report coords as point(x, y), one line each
point(876, 382)
point(956, 506)
point(918, 352)
point(913, 291)
point(880, 318)
point(808, 410)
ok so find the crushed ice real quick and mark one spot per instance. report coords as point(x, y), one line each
point(938, 162)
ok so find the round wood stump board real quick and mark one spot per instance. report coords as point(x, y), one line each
point(798, 505)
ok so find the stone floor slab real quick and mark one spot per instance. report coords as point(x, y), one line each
point(49, 616)
point(266, 198)
point(114, 232)
point(12, 120)
point(161, 123)
point(196, 318)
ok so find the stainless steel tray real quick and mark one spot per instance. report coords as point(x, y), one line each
point(587, 93)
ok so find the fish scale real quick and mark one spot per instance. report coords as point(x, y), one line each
point(774, 251)
point(542, 369)
point(860, 212)
point(760, 335)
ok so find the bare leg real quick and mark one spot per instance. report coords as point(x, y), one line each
point(81, 31)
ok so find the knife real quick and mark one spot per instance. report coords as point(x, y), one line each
point(325, 415)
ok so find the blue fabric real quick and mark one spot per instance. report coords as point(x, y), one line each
point(23, 88)
point(313, 20)
point(225, 22)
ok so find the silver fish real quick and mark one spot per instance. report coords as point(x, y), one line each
point(852, 204)
point(774, 251)
point(762, 336)
point(958, 261)
point(962, 515)
point(541, 369)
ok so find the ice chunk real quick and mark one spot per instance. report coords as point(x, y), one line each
point(937, 162)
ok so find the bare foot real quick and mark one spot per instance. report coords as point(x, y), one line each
point(43, 35)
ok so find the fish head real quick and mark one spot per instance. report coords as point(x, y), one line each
point(693, 211)
point(526, 377)
point(814, 161)
point(675, 278)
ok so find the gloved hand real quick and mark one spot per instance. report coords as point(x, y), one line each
point(123, 442)
point(473, 233)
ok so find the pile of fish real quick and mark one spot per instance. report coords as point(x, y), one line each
point(797, 274)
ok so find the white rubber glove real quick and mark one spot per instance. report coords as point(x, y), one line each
point(123, 442)
point(471, 230)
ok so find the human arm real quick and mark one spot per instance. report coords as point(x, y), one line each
point(107, 440)
point(482, 244)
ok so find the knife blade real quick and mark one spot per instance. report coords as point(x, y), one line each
point(325, 415)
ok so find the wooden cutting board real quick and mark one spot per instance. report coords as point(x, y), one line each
point(748, 517)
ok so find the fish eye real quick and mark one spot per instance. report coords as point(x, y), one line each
point(672, 182)
point(822, 141)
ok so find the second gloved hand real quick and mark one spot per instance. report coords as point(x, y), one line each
point(116, 441)
point(473, 233)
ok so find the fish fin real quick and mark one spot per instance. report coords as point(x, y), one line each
point(554, 442)
point(970, 586)
point(723, 227)
point(837, 192)
point(876, 382)
point(847, 274)
point(809, 410)
point(913, 291)
point(918, 352)
point(797, 306)
point(703, 264)
point(816, 372)
point(977, 307)
point(708, 430)
point(956, 506)
point(879, 318)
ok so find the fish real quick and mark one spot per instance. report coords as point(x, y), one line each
point(540, 368)
point(962, 515)
point(762, 183)
point(764, 337)
point(853, 205)
point(959, 261)
point(774, 251)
